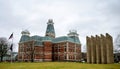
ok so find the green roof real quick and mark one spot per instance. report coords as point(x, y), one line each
point(38, 43)
point(24, 38)
point(47, 38)
point(66, 38)
point(38, 39)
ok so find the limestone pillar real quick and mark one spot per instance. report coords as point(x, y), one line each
point(103, 49)
point(88, 50)
point(109, 46)
point(93, 49)
point(98, 50)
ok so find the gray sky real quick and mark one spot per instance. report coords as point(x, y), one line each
point(88, 17)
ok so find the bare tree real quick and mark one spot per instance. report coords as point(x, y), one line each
point(4, 47)
point(117, 44)
point(84, 48)
point(32, 53)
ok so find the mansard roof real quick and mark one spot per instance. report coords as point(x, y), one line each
point(66, 38)
point(36, 37)
point(24, 38)
point(47, 38)
point(38, 43)
point(39, 39)
point(50, 36)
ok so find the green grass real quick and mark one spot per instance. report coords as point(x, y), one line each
point(57, 65)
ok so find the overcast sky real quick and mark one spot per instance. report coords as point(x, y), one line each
point(88, 17)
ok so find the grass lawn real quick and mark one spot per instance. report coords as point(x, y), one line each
point(57, 65)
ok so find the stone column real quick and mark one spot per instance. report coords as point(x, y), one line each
point(88, 50)
point(98, 50)
point(93, 49)
point(23, 52)
point(67, 51)
point(109, 46)
point(75, 52)
point(103, 49)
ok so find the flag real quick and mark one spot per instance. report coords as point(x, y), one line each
point(11, 47)
point(11, 36)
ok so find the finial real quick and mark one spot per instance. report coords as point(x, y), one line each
point(50, 20)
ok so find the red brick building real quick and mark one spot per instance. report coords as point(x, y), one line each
point(49, 47)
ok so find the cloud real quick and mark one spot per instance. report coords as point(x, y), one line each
point(88, 17)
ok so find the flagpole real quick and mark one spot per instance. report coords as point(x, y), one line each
point(11, 56)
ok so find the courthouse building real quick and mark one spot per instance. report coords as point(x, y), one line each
point(49, 47)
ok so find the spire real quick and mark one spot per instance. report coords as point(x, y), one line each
point(50, 29)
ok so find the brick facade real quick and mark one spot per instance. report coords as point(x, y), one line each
point(64, 51)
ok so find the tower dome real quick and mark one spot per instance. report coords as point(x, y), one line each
point(73, 33)
point(25, 32)
point(50, 29)
point(25, 36)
